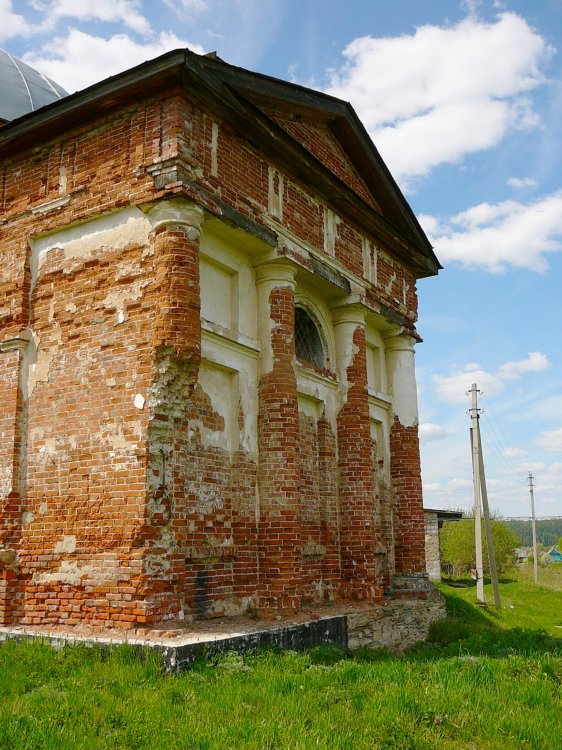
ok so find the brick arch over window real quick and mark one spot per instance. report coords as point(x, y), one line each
point(308, 340)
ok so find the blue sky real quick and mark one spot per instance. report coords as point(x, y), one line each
point(464, 102)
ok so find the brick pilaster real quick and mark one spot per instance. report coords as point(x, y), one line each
point(176, 342)
point(279, 545)
point(358, 531)
point(12, 471)
point(405, 466)
point(176, 248)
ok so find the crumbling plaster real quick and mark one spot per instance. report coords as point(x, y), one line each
point(187, 417)
point(400, 358)
point(88, 239)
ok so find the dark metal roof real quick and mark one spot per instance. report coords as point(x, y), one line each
point(24, 89)
point(445, 515)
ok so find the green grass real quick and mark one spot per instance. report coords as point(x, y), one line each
point(523, 605)
point(482, 683)
point(550, 576)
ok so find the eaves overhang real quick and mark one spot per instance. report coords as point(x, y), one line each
point(227, 90)
point(346, 126)
point(77, 108)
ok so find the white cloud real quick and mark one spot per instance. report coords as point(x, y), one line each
point(497, 236)
point(126, 12)
point(520, 183)
point(80, 59)
point(111, 11)
point(535, 362)
point(535, 466)
point(459, 483)
point(11, 23)
point(550, 440)
point(439, 94)
point(453, 388)
point(429, 431)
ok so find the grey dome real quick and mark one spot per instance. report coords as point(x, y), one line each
point(23, 89)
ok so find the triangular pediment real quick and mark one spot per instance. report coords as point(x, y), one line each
point(330, 131)
point(314, 134)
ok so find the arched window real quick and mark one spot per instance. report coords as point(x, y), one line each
point(308, 343)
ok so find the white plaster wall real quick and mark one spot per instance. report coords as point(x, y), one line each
point(377, 379)
point(379, 432)
point(317, 395)
point(228, 284)
point(219, 294)
point(379, 398)
point(91, 238)
point(221, 386)
point(229, 378)
point(230, 351)
point(432, 555)
point(400, 362)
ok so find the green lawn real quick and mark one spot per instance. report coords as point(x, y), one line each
point(550, 576)
point(523, 605)
point(482, 683)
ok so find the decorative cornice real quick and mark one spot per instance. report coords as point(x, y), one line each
point(176, 211)
point(20, 342)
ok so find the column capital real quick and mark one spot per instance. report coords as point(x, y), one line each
point(176, 211)
point(349, 312)
point(20, 342)
point(277, 272)
point(398, 341)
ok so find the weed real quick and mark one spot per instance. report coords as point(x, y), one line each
point(482, 681)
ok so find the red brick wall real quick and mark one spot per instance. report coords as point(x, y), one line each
point(359, 535)
point(406, 479)
point(86, 440)
point(121, 501)
point(278, 428)
point(317, 139)
point(11, 417)
point(321, 570)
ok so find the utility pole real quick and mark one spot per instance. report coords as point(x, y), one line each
point(534, 527)
point(488, 526)
point(476, 483)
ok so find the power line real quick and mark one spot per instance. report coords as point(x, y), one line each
point(519, 518)
point(528, 518)
point(503, 443)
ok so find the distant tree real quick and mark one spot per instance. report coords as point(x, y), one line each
point(559, 545)
point(458, 550)
point(548, 531)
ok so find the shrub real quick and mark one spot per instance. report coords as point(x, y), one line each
point(458, 548)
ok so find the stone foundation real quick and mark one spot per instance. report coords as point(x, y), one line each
point(396, 626)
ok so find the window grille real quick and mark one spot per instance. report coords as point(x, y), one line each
point(308, 343)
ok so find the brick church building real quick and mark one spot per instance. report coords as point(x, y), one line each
point(207, 329)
